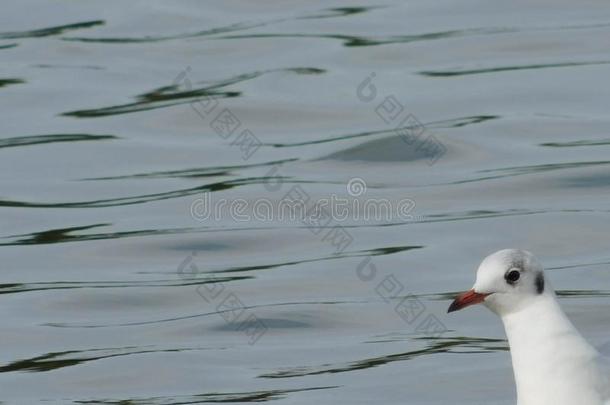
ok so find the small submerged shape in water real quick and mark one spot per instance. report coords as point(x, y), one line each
point(552, 362)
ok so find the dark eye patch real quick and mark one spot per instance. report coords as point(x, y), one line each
point(539, 283)
point(512, 276)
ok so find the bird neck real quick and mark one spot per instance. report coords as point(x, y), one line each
point(548, 354)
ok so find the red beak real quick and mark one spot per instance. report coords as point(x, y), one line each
point(466, 299)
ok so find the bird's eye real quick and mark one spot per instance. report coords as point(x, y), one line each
point(512, 276)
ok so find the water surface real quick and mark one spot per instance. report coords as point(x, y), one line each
point(119, 118)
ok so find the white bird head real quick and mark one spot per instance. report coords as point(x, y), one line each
point(507, 281)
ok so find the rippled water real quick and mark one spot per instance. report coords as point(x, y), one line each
point(121, 118)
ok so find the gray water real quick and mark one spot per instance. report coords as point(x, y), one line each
point(119, 119)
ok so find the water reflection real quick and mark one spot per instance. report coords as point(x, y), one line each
point(139, 199)
point(51, 138)
point(446, 123)
point(56, 360)
point(171, 95)
point(215, 397)
point(8, 82)
point(434, 346)
point(50, 31)
point(95, 195)
point(451, 73)
point(242, 26)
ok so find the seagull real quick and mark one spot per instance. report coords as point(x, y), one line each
point(552, 363)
